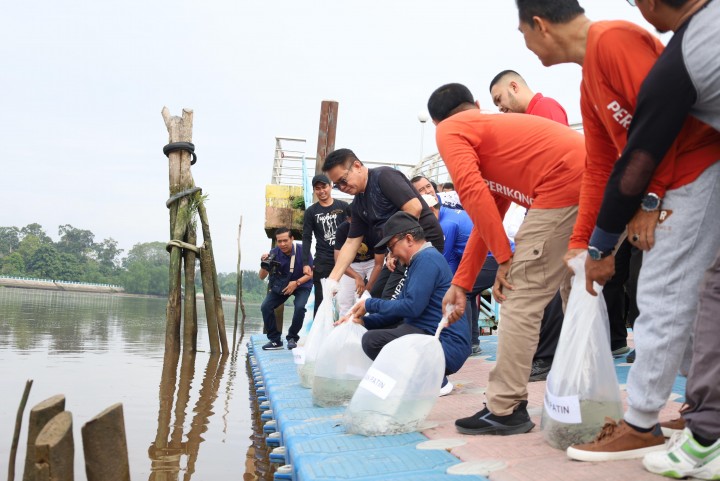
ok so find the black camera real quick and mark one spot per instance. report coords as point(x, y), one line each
point(270, 264)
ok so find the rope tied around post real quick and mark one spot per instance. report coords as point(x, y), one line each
point(182, 245)
point(181, 146)
point(174, 198)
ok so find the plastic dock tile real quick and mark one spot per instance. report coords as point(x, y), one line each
point(379, 464)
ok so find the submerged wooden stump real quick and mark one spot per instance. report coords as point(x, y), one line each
point(40, 415)
point(105, 446)
point(54, 450)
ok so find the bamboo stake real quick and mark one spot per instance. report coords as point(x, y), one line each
point(220, 315)
point(190, 308)
point(18, 427)
point(179, 130)
point(209, 293)
point(238, 287)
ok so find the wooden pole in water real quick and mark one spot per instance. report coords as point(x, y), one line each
point(55, 450)
point(326, 132)
point(40, 415)
point(238, 292)
point(209, 294)
point(190, 308)
point(105, 446)
point(216, 297)
point(16, 433)
point(179, 130)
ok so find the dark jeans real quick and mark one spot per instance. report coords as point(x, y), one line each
point(551, 322)
point(373, 341)
point(550, 328)
point(620, 293)
point(484, 280)
point(320, 271)
point(272, 301)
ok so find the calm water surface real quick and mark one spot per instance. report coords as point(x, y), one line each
point(186, 418)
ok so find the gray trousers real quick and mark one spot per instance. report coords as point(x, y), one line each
point(686, 242)
point(703, 384)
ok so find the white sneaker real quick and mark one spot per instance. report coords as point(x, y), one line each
point(685, 457)
point(446, 389)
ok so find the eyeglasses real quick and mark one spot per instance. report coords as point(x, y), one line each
point(632, 3)
point(391, 247)
point(342, 182)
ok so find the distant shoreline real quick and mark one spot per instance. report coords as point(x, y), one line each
point(60, 286)
point(38, 284)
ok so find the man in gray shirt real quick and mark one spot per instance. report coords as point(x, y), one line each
point(684, 81)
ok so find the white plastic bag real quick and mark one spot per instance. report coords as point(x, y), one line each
point(340, 366)
point(400, 388)
point(582, 388)
point(306, 354)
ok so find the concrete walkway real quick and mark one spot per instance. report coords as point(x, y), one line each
point(527, 456)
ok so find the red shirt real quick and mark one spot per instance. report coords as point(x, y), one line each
point(498, 159)
point(548, 108)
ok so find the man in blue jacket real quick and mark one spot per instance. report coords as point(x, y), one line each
point(284, 265)
point(419, 305)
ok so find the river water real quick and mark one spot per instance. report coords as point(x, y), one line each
point(185, 418)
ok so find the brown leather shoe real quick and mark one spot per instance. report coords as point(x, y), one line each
point(618, 441)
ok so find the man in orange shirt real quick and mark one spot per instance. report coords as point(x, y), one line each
point(511, 94)
point(495, 160)
point(676, 215)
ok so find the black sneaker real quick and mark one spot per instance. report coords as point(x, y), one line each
point(272, 346)
point(476, 350)
point(485, 422)
point(292, 344)
point(540, 369)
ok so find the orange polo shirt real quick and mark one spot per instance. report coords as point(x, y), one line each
point(618, 57)
point(498, 159)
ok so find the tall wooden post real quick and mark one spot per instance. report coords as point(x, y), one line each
point(180, 130)
point(182, 245)
point(326, 132)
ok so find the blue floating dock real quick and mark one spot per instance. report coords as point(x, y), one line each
point(316, 444)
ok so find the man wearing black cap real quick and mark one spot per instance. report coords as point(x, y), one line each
point(322, 219)
point(418, 307)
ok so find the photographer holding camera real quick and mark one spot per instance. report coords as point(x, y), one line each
point(284, 265)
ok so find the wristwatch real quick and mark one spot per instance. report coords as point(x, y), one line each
point(651, 202)
point(596, 254)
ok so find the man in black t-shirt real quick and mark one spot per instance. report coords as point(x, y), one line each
point(353, 283)
point(379, 193)
point(322, 220)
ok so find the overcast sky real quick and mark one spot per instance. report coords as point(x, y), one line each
point(83, 83)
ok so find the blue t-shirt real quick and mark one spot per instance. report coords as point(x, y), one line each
point(283, 272)
point(456, 226)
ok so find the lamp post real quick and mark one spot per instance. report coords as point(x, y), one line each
point(422, 117)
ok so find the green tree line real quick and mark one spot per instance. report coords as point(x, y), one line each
point(30, 252)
